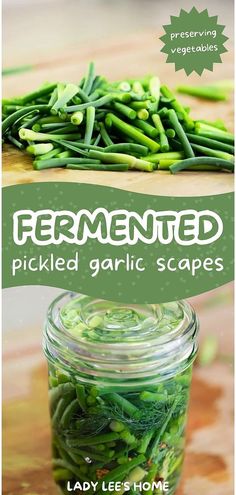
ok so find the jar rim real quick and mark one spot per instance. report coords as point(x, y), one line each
point(158, 354)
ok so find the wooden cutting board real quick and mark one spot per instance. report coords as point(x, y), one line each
point(208, 465)
point(132, 56)
point(26, 433)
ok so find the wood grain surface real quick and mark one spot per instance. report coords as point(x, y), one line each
point(207, 463)
point(51, 37)
point(26, 430)
point(134, 55)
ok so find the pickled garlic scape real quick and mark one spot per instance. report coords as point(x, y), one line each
point(119, 380)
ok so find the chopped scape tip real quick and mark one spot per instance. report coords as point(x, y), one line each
point(141, 118)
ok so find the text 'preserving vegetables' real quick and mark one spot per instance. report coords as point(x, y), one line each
point(135, 124)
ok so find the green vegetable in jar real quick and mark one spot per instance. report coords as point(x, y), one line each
point(118, 392)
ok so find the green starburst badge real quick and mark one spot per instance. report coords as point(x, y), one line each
point(194, 41)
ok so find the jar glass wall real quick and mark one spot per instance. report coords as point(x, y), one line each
point(119, 380)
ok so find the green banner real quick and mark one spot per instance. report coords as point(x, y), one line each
point(115, 244)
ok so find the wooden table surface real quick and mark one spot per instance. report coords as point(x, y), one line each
point(27, 436)
point(61, 54)
point(26, 433)
point(133, 55)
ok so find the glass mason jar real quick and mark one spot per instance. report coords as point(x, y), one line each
point(119, 380)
